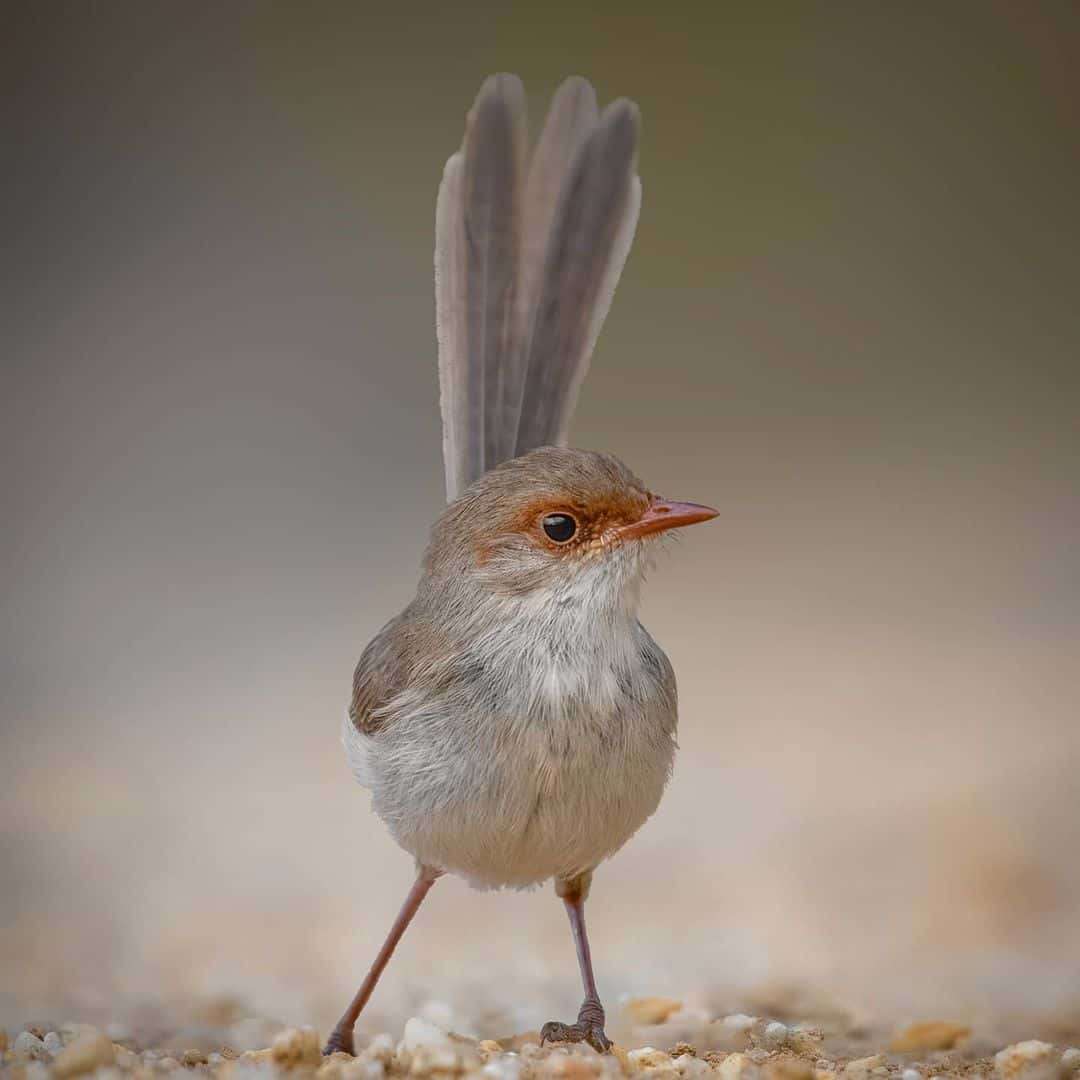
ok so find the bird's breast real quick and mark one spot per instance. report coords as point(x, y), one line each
point(538, 759)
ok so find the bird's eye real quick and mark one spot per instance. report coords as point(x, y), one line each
point(559, 527)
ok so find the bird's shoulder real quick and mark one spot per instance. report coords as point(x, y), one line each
point(392, 662)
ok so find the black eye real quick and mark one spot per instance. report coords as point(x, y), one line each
point(559, 527)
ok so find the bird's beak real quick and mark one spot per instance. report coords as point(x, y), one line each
point(663, 514)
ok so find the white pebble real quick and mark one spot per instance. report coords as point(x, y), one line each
point(53, 1043)
point(381, 1048)
point(776, 1034)
point(911, 1074)
point(434, 1057)
point(1032, 1060)
point(363, 1069)
point(28, 1047)
point(732, 1032)
point(504, 1067)
point(738, 1067)
point(690, 1066)
point(420, 1032)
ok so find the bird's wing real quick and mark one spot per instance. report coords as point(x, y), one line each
point(382, 673)
point(526, 267)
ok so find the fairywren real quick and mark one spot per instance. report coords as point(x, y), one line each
point(516, 722)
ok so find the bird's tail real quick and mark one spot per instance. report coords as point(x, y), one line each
point(528, 251)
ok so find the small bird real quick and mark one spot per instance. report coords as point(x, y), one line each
point(516, 722)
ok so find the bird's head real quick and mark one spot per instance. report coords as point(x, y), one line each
point(565, 523)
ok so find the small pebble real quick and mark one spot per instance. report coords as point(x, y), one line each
point(732, 1032)
point(168, 1064)
point(861, 1068)
point(420, 1032)
point(805, 1040)
point(689, 1065)
point(439, 1057)
point(506, 1067)
point(1030, 1060)
point(29, 1047)
point(293, 1046)
point(1071, 1059)
point(911, 1074)
point(738, 1067)
point(381, 1049)
point(90, 1050)
point(363, 1069)
point(776, 1034)
point(53, 1043)
point(929, 1035)
point(576, 1066)
point(789, 1069)
point(651, 1061)
point(193, 1057)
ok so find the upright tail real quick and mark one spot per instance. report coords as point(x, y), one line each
point(527, 256)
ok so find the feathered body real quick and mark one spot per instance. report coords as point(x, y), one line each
point(517, 724)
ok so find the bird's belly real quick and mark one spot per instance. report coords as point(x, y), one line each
point(512, 804)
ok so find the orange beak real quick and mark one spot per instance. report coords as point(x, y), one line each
point(663, 514)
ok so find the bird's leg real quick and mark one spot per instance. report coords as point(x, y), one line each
point(590, 1022)
point(341, 1038)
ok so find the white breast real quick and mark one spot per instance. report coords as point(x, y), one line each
point(546, 752)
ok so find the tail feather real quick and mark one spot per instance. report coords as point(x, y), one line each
point(525, 269)
point(593, 223)
point(570, 119)
point(450, 326)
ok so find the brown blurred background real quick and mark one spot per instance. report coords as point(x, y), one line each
point(850, 320)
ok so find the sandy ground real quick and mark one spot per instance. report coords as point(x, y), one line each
point(791, 1034)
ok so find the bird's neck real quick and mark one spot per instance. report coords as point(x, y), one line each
point(590, 612)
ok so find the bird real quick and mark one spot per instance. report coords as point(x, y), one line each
point(516, 723)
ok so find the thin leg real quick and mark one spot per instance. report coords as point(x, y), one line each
point(342, 1036)
point(590, 1022)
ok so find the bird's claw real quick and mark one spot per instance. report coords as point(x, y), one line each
point(589, 1028)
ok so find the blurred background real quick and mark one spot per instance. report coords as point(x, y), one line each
point(850, 320)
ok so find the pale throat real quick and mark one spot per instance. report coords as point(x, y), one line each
point(576, 641)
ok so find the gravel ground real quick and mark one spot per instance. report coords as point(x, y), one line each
point(656, 1037)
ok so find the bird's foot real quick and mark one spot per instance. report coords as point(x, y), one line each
point(589, 1028)
point(339, 1040)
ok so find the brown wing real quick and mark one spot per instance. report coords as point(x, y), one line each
point(382, 673)
point(406, 653)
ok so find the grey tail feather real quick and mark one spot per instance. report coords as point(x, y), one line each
point(525, 269)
